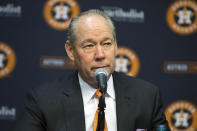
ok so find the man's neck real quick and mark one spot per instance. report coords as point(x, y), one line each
point(92, 83)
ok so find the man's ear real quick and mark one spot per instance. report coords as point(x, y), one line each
point(116, 48)
point(69, 50)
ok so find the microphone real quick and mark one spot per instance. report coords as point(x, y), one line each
point(101, 75)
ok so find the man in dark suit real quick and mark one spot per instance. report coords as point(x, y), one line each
point(70, 104)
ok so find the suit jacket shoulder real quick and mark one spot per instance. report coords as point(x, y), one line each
point(54, 106)
point(139, 101)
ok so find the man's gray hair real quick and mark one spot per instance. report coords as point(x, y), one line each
point(71, 30)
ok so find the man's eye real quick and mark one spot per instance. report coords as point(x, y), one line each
point(89, 46)
point(107, 44)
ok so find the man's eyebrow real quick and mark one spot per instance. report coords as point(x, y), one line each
point(107, 38)
point(87, 40)
point(93, 41)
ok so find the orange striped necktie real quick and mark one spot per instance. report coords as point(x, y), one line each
point(98, 95)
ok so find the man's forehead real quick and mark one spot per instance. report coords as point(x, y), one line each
point(92, 19)
point(90, 26)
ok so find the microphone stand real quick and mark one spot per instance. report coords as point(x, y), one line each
point(101, 105)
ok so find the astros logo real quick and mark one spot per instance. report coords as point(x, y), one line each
point(58, 13)
point(127, 61)
point(182, 116)
point(7, 60)
point(182, 17)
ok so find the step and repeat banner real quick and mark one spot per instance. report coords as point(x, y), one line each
point(157, 42)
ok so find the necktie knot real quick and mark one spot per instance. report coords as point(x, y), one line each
point(98, 94)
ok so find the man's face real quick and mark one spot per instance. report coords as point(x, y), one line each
point(94, 47)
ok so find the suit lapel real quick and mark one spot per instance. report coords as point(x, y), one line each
point(125, 104)
point(73, 105)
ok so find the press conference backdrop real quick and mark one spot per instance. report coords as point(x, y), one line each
point(157, 42)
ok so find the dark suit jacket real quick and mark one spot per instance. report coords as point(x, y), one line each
point(58, 106)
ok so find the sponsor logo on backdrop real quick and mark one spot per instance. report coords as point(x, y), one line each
point(7, 60)
point(10, 10)
point(182, 17)
point(180, 67)
point(119, 14)
point(182, 116)
point(60, 62)
point(7, 113)
point(58, 13)
point(127, 61)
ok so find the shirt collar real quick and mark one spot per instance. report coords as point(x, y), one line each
point(88, 91)
point(110, 87)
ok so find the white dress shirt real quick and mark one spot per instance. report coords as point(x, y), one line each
point(90, 102)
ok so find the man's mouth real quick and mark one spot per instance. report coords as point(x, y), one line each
point(94, 68)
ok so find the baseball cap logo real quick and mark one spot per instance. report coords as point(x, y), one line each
point(58, 13)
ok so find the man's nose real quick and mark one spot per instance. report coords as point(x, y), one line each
point(99, 54)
